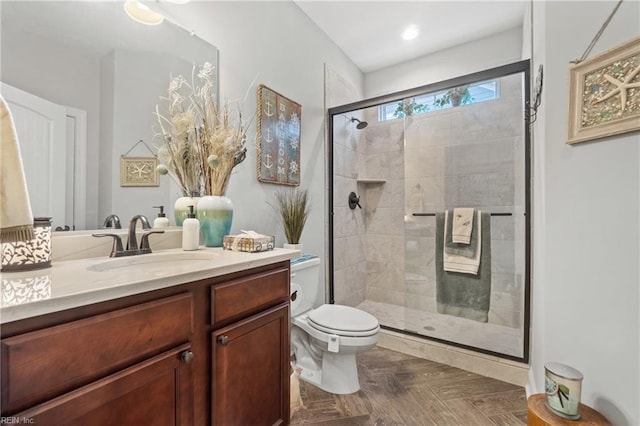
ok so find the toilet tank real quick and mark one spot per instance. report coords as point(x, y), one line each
point(305, 279)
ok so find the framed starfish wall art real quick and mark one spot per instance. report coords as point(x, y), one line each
point(279, 133)
point(604, 94)
point(138, 171)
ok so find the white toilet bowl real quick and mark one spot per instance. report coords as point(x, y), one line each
point(326, 340)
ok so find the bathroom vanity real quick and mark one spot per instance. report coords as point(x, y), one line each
point(200, 339)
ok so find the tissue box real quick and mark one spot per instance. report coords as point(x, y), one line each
point(248, 244)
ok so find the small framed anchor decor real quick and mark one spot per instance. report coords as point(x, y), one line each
point(279, 132)
point(604, 94)
point(139, 171)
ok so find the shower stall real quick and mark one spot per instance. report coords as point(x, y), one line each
point(397, 163)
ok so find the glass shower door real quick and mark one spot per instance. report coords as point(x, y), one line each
point(467, 155)
point(462, 143)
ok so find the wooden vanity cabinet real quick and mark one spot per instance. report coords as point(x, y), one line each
point(250, 350)
point(215, 351)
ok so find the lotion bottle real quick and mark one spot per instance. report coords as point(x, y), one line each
point(161, 221)
point(190, 231)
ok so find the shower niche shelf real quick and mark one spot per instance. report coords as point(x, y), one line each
point(370, 181)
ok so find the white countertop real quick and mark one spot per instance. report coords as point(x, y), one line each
point(73, 283)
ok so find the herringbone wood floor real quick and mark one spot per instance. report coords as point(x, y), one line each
point(398, 389)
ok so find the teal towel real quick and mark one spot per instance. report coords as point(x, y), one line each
point(464, 295)
point(466, 250)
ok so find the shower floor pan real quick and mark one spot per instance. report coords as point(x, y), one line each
point(490, 337)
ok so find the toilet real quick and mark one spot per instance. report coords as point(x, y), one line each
point(326, 339)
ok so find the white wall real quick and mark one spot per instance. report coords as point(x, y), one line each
point(134, 120)
point(275, 42)
point(586, 226)
point(488, 52)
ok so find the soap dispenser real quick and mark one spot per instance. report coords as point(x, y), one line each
point(190, 231)
point(161, 221)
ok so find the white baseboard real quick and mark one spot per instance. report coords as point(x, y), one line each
point(530, 388)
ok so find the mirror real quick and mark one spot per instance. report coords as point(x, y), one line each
point(93, 76)
point(455, 144)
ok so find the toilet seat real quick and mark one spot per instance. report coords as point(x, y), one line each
point(343, 321)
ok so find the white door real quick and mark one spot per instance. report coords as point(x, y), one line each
point(41, 127)
point(76, 168)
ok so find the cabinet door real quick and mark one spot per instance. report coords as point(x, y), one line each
point(156, 392)
point(250, 384)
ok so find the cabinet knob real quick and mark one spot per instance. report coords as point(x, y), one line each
point(223, 340)
point(186, 357)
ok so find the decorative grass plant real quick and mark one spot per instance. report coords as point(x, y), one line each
point(293, 208)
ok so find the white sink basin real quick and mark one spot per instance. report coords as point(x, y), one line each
point(152, 260)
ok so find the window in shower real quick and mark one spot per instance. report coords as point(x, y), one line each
point(426, 102)
point(390, 257)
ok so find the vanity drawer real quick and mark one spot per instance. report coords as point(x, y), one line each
point(39, 365)
point(245, 296)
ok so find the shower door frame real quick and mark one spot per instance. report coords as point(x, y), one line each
point(523, 67)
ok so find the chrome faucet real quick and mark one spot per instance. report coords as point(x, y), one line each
point(132, 242)
point(112, 221)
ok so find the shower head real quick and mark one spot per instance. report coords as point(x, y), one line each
point(361, 124)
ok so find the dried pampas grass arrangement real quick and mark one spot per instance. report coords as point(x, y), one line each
point(201, 143)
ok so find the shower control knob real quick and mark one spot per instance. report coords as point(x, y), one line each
point(294, 296)
point(354, 201)
point(223, 340)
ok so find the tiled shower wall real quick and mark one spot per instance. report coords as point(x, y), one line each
point(384, 212)
point(350, 267)
point(349, 261)
point(466, 156)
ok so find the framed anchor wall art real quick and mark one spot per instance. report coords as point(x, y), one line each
point(279, 132)
point(604, 94)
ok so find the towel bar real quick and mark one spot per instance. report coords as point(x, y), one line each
point(433, 214)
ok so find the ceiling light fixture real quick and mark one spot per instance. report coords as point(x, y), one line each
point(410, 32)
point(141, 13)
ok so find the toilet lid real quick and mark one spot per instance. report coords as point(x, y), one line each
point(343, 321)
